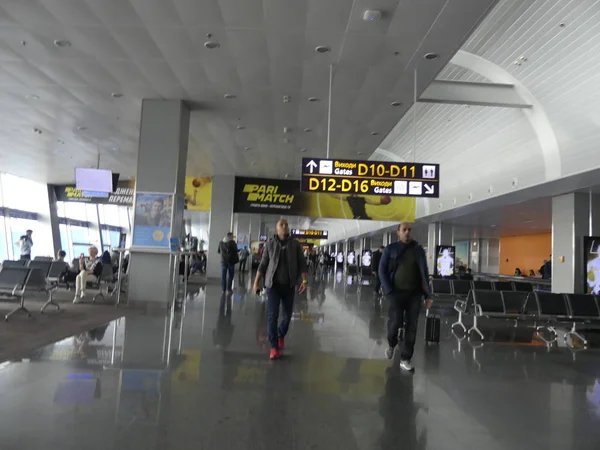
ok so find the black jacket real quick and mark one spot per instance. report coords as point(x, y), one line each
point(229, 252)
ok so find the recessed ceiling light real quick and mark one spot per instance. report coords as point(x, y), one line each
point(287, 175)
point(229, 96)
point(115, 149)
point(212, 44)
point(395, 104)
point(431, 56)
point(247, 148)
point(32, 97)
point(253, 163)
point(82, 128)
point(241, 127)
point(307, 130)
point(287, 130)
point(313, 99)
point(116, 95)
point(303, 150)
point(359, 153)
point(322, 49)
point(286, 141)
point(374, 133)
point(62, 43)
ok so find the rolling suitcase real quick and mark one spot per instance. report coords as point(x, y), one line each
point(432, 328)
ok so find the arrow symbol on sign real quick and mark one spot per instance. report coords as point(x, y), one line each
point(428, 189)
point(311, 165)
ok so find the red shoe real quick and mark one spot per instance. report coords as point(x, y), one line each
point(274, 354)
point(281, 343)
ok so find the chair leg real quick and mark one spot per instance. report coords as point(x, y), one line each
point(50, 302)
point(21, 308)
point(550, 329)
point(476, 329)
point(574, 333)
point(460, 322)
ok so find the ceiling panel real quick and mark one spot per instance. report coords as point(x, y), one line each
point(155, 49)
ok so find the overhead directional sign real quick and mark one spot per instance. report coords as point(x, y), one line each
point(311, 234)
point(348, 177)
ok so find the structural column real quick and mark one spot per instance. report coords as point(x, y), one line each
point(573, 216)
point(221, 220)
point(162, 158)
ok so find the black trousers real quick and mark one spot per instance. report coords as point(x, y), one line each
point(404, 308)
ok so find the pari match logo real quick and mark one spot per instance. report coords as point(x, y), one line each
point(266, 193)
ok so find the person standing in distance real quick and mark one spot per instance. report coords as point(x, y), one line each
point(405, 281)
point(282, 266)
point(229, 258)
point(25, 243)
point(375, 267)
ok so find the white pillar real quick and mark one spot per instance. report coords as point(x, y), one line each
point(221, 220)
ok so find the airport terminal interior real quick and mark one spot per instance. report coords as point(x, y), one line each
point(300, 224)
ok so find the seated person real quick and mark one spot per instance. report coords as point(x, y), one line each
point(518, 272)
point(468, 275)
point(89, 270)
point(60, 256)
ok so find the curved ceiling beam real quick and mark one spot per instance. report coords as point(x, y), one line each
point(538, 119)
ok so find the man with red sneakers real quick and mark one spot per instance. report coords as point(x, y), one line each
point(282, 266)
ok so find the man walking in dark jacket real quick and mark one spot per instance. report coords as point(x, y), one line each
point(282, 266)
point(229, 258)
point(405, 280)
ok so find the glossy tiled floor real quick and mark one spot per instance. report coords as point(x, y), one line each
point(202, 381)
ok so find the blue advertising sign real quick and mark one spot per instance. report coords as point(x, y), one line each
point(152, 220)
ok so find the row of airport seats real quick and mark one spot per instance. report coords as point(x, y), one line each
point(443, 287)
point(549, 309)
point(43, 275)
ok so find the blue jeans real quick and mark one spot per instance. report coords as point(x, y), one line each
point(279, 295)
point(227, 282)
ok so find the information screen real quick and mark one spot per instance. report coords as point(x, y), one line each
point(93, 180)
point(311, 234)
point(347, 177)
point(445, 260)
point(591, 254)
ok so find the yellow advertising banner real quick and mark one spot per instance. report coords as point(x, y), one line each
point(198, 193)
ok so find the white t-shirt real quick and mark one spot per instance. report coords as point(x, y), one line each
point(26, 244)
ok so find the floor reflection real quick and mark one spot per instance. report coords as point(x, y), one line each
point(200, 378)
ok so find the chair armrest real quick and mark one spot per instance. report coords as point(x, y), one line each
point(478, 310)
point(460, 306)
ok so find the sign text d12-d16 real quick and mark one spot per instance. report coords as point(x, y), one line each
point(370, 178)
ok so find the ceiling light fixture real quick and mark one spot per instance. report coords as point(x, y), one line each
point(303, 150)
point(212, 45)
point(307, 130)
point(37, 130)
point(253, 163)
point(32, 97)
point(313, 99)
point(395, 104)
point(229, 96)
point(287, 130)
point(62, 43)
point(287, 175)
point(359, 153)
point(431, 56)
point(374, 133)
point(241, 127)
point(371, 15)
point(116, 95)
point(81, 128)
point(247, 148)
point(322, 49)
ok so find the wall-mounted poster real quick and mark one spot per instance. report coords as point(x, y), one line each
point(272, 196)
point(591, 261)
point(198, 193)
point(152, 220)
point(444, 266)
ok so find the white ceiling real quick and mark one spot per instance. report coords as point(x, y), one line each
point(154, 49)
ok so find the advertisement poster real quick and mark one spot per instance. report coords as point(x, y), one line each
point(152, 220)
point(123, 196)
point(591, 254)
point(198, 193)
point(444, 255)
point(283, 197)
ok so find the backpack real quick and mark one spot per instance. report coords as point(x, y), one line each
point(229, 251)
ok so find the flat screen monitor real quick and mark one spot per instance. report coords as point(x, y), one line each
point(445, 259)
point(94, 180)
point(591, 261)
point(366, 258)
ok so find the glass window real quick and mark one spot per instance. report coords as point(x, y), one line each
point(80, 235)
point(76, 211)
point(79, 249)
point(64, 241)
point(3, 246)
point(16, 228)
point(109, 215)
